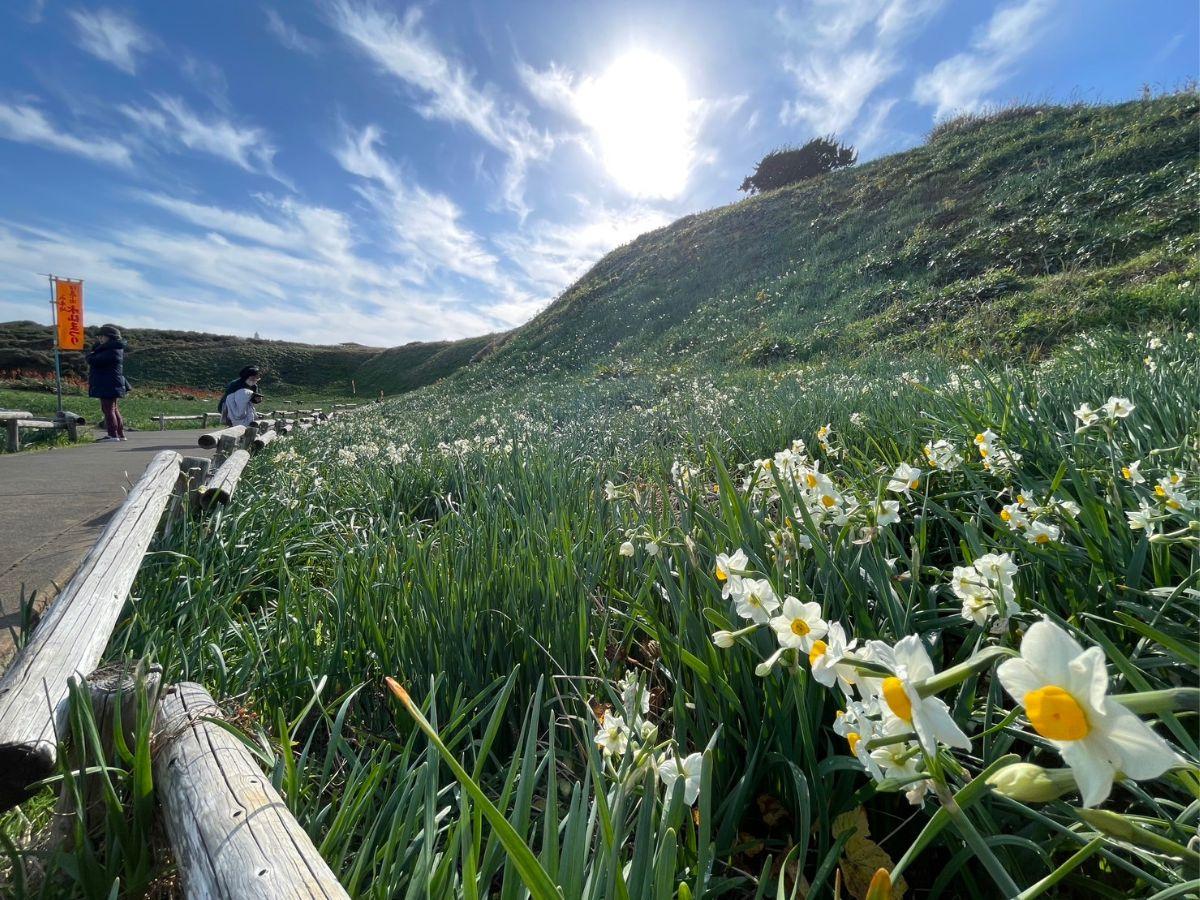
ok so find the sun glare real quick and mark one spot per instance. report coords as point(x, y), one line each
point(640, 112)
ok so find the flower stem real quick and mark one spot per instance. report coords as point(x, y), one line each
point(1161, 701)
point(965, 827)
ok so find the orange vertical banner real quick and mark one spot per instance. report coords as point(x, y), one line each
point(68, 297)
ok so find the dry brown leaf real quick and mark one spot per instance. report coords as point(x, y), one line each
point(861, 856)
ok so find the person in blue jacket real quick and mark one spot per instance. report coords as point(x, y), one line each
point(106, 379)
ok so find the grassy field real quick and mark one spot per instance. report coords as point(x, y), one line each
point(547, 572)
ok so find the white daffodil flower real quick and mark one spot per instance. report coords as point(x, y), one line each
point(652, 548)
point(1131, 473)
point(929, 717)
point(756, 600)
point(943, 455)
point(1118, 408)
point(887, 512)
point(906, 478)
point(859, 729)
point(1143, 518)
point(613, 736)
point(799, 625)
point(1087, 416)
point(730, 570)
point(627, 548)
point(1042, 533)
point(635, 698)
point(671, 768)
point(1064, 691)
point(826, 659)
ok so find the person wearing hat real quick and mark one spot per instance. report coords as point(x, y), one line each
point(106, 379)
point(237, 403)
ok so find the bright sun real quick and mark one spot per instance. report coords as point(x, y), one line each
point(640, 112)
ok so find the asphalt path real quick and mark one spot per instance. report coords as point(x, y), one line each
point(54, 504)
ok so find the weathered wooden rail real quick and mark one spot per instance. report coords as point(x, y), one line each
point(201, 417)
point(232, 835)
point(14, 420)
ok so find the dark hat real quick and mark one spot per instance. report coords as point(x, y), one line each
point(110, 330)
point(249, 370)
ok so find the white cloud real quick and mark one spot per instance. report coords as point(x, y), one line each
point(840, 53)
point(28, 125)
point(149, 277)
point(963, 82)
point(290, 36)
point(173, 122)
point(424, 226)
point(552, 255)
point(112, 37)
point(401, 47)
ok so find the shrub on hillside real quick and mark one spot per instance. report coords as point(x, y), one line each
point(789, 165)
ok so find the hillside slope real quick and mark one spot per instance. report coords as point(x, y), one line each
point(200, 360)
point(1006, 233)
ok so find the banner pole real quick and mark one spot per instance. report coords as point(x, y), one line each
point(57, 356)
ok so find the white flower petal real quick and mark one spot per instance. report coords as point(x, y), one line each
point(1019, 678)
point(1089, 678)
point(1092, 770)
point(1143, 753)
point(910, 653)
point(1049, 649)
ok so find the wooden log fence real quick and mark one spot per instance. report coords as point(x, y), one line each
point(201, 417)
point(14, 420)
point(232, 834)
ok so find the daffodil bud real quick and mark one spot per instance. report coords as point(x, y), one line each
point(880, 887)
point(627, 548)
point(1031, 784)
point(723, 639)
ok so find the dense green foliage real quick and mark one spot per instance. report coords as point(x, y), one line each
point(791, 165)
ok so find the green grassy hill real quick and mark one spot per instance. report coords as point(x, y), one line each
point(198, 360)
point(1007, 233)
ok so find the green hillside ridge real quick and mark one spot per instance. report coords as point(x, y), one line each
point(200, 360)
point(1005, 233)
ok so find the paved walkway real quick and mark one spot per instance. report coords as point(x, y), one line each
point(53, 506)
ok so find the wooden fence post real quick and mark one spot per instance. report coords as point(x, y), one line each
point(14, 435)
point(72, 636)
point(232, 833)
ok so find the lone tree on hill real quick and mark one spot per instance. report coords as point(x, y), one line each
point(789, 165)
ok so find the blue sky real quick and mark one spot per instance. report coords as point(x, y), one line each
point(380, 172)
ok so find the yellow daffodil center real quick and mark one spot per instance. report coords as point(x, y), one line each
point(1055, 714)
point(852, 739)
point(811, 480)
point(1126, 472)
point(1005, 515)
point(827, 501)
point(800, 627)
point(897, 698)
point(818, 650)
point(914, 484)
point(1159, 490)
point(722, 575)
point(1043, 538)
